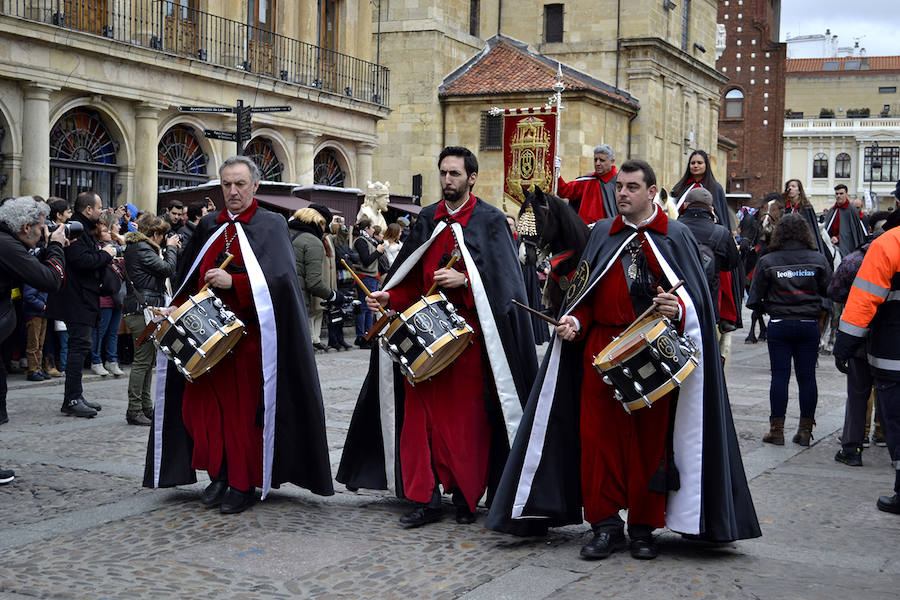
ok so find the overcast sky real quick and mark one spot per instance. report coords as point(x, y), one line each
point(875, 22)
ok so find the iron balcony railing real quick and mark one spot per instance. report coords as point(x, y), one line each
point(175, 28)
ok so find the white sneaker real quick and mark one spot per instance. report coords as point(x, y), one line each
point(23, 363)
point(99, 370)
point(113, 368)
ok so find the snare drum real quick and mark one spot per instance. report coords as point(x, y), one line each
point(426, 337)
point(647, 361)
point(198, 334)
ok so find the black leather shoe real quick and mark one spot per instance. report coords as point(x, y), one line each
point(603, 544)
point(889, 504)
point(644, 548)
point(464, 516)
point(77, 408)
point(214, 493)
point(236, 501)
point(96, 406)
point(421, 515)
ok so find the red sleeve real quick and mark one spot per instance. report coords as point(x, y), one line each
point(242, 290)
point(585, 315)
point(572, 190)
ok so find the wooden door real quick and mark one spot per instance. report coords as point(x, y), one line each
point(328, 43)
point(86, 15)
point(261, 39)
point(180, 27)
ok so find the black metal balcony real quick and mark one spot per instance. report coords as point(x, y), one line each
point(170, 27)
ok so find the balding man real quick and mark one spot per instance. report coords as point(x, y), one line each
point(594, 196)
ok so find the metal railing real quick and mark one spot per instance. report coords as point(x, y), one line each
point(174, 28)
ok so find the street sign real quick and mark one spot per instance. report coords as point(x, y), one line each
point(218, 134)
point(205, 109)
point(269, 109)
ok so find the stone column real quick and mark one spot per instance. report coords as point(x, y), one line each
point(36, 140)
point(364, 152)
point(305, 154)
point(146, 156)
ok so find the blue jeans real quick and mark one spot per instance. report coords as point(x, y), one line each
point(63, 349)
point(106, 336)
point(787, 339)
point(365, 318)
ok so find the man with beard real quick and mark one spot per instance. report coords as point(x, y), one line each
point(256, 418)
point(844, 223)
point(593, 196)
point(78, 302)
point(455, 428)
point(675, 463)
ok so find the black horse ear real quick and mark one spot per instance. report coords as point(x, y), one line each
point(539, 195)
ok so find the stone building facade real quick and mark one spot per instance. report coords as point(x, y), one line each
point(753, 99)
point(843, 126)
point(659, 54)
point(90, 93)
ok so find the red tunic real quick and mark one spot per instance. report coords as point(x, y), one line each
point(589, 190)
point(445, 428)
point(220, 408)
point(619, 451)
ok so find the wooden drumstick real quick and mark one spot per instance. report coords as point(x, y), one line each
point(447, 266)
point(224, 264)
point(652, 307)
point(536, 313)
point(361, 285)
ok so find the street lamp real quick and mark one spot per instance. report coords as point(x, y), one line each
point(874, 163)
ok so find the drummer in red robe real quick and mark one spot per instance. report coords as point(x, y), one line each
point(455, 428)
point(224, 421)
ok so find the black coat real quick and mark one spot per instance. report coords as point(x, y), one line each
point(292, 413)
point(852, 231)
point(18, 266)
point(494, 257)
point(147, 271)
point(79, 299)
point(718, 238)
point(714, 501)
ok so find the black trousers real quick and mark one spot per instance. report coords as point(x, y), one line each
point(79, 348)
point(859, 387)
point(887, 394)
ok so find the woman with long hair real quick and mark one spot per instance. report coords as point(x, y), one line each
point(698, 173)
point(392, 243)
point(795, 201)
point(790, 283)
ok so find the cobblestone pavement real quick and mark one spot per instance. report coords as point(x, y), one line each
point(76, 523)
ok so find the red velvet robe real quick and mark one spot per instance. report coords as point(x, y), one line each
point(445, 425)
point(619, 451)
point(589, 192)
point(220, 408)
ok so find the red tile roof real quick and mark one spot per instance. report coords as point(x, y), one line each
point(507, 67)
point(865, 64)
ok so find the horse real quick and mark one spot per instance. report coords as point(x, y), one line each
point(557, 232)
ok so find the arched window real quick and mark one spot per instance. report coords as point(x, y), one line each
point(842, 166)
point(820, 165)
point(261, 152)
point(182, 161)
point(734, 104)
point(327, 170)
point(83, 157)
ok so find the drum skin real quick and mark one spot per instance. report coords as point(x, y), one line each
point(647, 361)
point(426, 337)
point(198, 334)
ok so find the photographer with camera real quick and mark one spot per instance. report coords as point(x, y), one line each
point(307, 230)
point(112, 293)
point(78, 302)
point(21, 229)
point(337, 248)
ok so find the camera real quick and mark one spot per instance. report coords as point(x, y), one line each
point(72, 229)
point(347, 309)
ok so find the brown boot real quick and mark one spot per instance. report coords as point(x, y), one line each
point(804, 431)
point(50, 368)
point(776, 431)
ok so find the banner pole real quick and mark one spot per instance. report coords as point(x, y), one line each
point(558, 87)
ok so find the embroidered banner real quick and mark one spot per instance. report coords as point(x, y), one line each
point(529, 150)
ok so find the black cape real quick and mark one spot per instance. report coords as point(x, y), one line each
point(541, 485)
point(369, 460)
point(295, 449)
point(852, 233)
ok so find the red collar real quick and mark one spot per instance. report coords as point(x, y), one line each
point(844, 205)
point(609, 175)
point(244, 217)
point(461, 217)
point(660, 223)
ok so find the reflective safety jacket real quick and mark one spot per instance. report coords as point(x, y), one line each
point(872, 312)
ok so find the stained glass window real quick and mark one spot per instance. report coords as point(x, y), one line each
point(260, 151)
